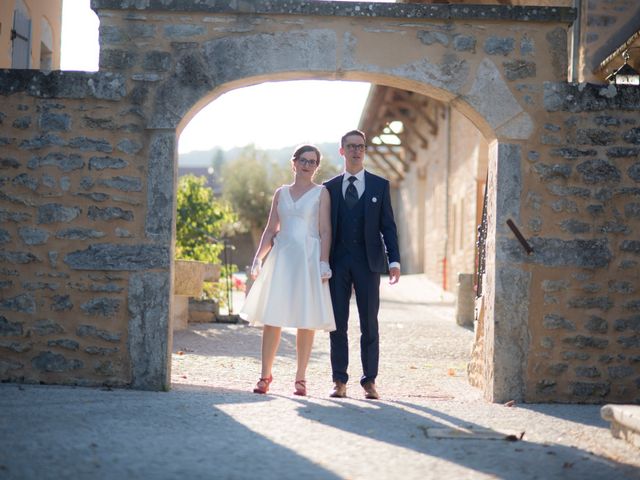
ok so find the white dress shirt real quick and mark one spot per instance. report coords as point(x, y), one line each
point(359, 183)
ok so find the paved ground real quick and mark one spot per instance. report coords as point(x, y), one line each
point(211, 426)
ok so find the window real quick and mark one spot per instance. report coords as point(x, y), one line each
point(46, 45)
point(20, 37)
point(46, 57)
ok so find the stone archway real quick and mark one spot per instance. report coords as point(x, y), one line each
point(471, 81)
point(508, 184)
point(105, 145)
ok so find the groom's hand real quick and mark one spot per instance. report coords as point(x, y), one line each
point(394, 275)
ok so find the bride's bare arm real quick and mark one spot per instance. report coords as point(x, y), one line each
point(325, 225)
point(270, 231)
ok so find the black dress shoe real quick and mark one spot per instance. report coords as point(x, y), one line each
point(370, 391)
point(339, 390)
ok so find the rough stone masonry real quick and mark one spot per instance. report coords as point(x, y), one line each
point(87, 175)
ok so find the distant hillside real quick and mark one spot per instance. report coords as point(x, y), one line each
point(282, 155)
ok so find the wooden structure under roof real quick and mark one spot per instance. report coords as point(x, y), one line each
point(389, 118)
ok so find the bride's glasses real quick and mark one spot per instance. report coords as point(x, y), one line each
point(307, 163)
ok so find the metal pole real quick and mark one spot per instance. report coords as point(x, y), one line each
point(228, 280)
point(231, 247)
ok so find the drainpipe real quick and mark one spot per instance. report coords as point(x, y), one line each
point(446, 201)
point(575, 41)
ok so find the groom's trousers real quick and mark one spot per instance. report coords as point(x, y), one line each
point(351, 271)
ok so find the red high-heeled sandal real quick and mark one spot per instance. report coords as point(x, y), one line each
point(265, 382)
point(301, 388)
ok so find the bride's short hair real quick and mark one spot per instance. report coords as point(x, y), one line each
point(304, 149)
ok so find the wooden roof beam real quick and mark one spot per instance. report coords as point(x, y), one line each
point(409, 125)
point(376, 151)
point(422, 112)
point(391, 151)
point(381, 165)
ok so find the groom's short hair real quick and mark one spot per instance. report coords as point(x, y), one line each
point(360, 133)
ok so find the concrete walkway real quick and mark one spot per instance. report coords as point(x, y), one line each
point(429, 424)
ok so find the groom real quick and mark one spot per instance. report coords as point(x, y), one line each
point(364, 238)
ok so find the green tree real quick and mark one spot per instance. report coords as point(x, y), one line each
point(250, 180)
point(200, 220)
point(248, 184)
point(327, 170)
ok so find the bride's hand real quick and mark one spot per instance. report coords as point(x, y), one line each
point(325, 271)
point(256, 267)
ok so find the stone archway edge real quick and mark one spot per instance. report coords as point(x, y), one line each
point(350, 9)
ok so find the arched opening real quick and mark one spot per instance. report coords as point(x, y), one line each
point(242, 142)
point(436, 159)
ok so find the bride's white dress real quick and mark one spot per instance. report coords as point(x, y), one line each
point(289, 291)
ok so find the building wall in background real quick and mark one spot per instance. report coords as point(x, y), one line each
point(44, 29)
point(605, 25)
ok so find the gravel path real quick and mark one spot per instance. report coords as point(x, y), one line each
point(423, 387)
point(429, 424)
point(422, 352)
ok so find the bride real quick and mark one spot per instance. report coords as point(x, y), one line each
point(291, 269)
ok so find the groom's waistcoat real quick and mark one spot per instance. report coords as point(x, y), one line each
point(350, 234)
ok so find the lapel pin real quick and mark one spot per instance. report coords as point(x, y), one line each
point(374, 199)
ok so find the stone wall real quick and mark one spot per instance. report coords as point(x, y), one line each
point(577, 186)
point(88, 180)
point(79, 267)
point(582, 217)
point(569, 309)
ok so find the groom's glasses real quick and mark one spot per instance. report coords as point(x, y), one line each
point(356, 147)
point(308, 163)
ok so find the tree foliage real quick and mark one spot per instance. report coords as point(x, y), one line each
point(250, 181)
point(201, 220)
point(248, 184)
point(326, 171)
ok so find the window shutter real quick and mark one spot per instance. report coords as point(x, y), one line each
point(21, 36)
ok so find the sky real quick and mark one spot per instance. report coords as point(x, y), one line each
point(268, 115)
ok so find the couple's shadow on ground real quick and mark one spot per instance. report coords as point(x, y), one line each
point(421, 428)
point(414, 426)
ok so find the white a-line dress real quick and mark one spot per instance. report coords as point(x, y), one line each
point(289, 291)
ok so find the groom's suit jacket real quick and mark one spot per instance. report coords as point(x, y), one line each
point(381, 236)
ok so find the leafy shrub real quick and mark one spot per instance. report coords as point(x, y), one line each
point(201, 220)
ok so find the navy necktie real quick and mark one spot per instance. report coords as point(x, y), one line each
point(351, 195)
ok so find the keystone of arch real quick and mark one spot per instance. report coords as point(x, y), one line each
point(492, 99)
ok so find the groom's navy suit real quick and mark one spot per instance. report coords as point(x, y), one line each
point(364, 241)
